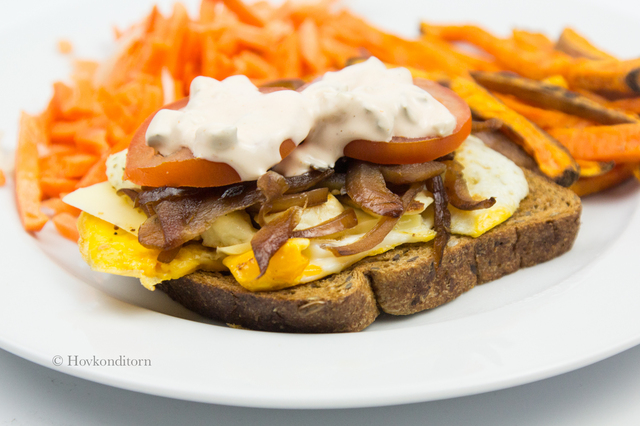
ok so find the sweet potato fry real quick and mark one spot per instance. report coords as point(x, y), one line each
point(631, 105)
point(591, 185)
point(573, 44)
point(536, 64)
point(620, 143)
point(544, 118)
point(531, 41)
point(594, 168)
point(550, 96)
point(552, 158)
point(606, 75)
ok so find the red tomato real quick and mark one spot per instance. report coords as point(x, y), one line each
point(417, 150)
point(147, 168)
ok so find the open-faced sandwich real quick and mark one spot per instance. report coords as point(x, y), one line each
point(313, 209)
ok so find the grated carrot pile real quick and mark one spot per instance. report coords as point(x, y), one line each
point(96, 113)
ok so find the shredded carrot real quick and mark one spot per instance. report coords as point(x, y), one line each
point(92, 140)
point(57, 206)
point(244, 12)
point(99, 109)
point(3, 179)
point(53, 186)
point(66, 225)
point(28, 192)
point(310, 48)
point(65, 47)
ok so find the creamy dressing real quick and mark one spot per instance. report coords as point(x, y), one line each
point(365, 101)
point(232, 122)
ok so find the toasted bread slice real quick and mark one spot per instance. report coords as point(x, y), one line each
point(399, 282)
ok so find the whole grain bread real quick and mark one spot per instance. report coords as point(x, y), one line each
point(399, 282)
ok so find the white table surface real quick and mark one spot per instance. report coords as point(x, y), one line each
point(605, 393)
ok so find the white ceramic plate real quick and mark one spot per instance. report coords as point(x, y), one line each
point(537, 323)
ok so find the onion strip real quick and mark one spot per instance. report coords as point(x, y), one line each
point(379, 231)
point(345, 220)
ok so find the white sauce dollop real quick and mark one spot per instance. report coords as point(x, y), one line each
point(365, 101)
point(232, 122)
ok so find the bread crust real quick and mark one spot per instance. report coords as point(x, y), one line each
point(402, 281)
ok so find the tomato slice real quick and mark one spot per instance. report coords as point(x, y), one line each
point(147, 168)
point(416, 150)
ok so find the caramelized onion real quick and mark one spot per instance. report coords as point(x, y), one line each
point(268, 240)
point(379, 231)
point(178, 221)
point(345, 220)
point(302, 199)
point(307, 180)
point(410, 173)
point(334, 182)
point(442, 220)
point(167, 256)
point(367, 188)
point(150, 233)
point(457, 190)
point(134, 196)
point(129, 192)
point(371, 239)
point(273, 186)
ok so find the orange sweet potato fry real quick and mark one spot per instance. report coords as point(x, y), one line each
point(606, 75)
point(591, 185)
point(594, 168)
point(620, 143)
point(544, 118)
point(572, 43)
point(552, 158)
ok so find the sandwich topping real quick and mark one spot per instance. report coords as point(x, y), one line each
point(232, 122)
point(297, 184)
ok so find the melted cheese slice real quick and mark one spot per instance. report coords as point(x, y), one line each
point(102, 201)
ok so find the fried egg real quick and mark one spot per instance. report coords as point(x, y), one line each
point(300, 260)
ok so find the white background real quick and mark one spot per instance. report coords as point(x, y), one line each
point(604, 393)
